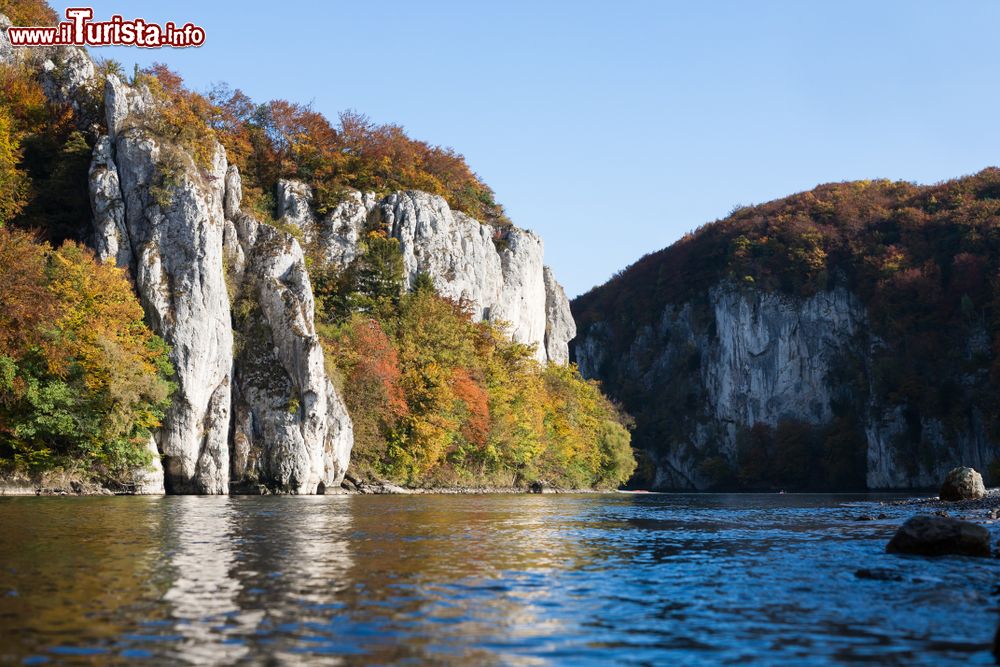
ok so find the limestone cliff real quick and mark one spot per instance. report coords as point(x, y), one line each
point(291, 430)
point(67, 75)
point(711, 368)
point(559, 325)
point(254, 410)
point(265, 418)
point(174, 253)
point(499, 272)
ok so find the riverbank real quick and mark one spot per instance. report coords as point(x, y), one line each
point(987, 507)
point(69, 484)
point(54, 484)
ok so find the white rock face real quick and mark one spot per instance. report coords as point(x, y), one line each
point(500, 275)
point(764, 358)
point(522, 297)
point(560, 328)
point(773, 355)
point(7, 52)
point(233, 198)
point(111, 242)
point(175, 257)
point(291, 431)
point(339, 439)
point(149, 481)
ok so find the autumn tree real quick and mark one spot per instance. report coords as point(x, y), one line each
point(83, 381)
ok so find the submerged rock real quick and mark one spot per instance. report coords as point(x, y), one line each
point(938, 536)
point(878, 574)
point(963, 484)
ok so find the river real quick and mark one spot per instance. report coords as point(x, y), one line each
point(494, 579)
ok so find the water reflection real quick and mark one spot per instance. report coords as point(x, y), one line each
point(478, 567)
point(483, 580)
point(292, 562)
point(200, 553)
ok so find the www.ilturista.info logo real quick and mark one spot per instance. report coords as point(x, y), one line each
point(79, 30)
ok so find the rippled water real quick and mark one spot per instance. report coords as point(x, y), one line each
point(591, 579)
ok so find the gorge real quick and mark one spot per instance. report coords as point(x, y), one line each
point(841, 338)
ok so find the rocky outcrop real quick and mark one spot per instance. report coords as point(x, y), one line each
point(499, 273)
point(939, 536)
point(256, 412)
point(711, 368)
point(338, 233)
point(110, 242)
point(174, 254)
point(291, 432)
point(149, 481)
point(67, 75)
point(7, 52)
point(560, 328)
point(962, 484)
point(268, 419)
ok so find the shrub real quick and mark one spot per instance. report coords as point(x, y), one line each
point(439, 399)
point(82, 379)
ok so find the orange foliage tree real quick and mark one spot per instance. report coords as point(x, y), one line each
point(83, 381)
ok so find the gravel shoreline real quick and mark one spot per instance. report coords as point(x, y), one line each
point(986, 507)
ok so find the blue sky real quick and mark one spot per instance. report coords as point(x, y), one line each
point(613, 128)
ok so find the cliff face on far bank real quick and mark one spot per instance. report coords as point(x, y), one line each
point(841, 338)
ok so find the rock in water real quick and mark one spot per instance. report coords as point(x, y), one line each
point(939, 536)
point(149, 480)
point(963, 484)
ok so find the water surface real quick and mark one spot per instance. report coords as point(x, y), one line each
point(588, 579)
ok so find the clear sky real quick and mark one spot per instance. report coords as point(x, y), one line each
point(613, 128)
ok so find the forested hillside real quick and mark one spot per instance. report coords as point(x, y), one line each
point(918, 360)
point(437, 397)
